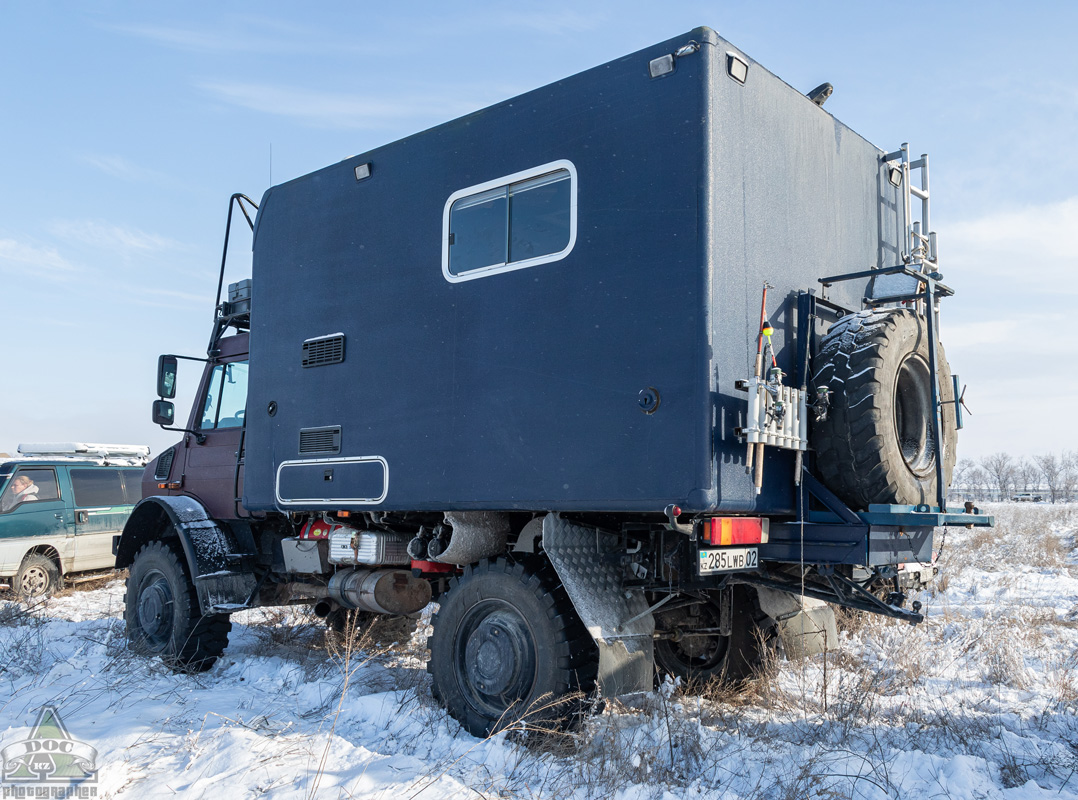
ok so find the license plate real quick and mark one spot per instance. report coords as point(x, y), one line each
point(728, 559)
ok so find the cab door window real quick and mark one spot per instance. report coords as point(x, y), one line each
point(29, 486)
point(226, 397)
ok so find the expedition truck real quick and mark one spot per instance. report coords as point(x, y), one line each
point(621, 372)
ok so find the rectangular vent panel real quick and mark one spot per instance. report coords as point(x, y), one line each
point(323, 350)
point(164, 464)
point(320, 440)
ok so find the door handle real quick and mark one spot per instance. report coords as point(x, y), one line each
point(82, 516)
point(59, 516)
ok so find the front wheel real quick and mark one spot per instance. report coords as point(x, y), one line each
point(163, 616)
point(508, 646)
point(38, 577)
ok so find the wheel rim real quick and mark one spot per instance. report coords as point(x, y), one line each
point(495, 664)
point(34, 582)
point(693, 654)
point(156, 610)
point(913, 415)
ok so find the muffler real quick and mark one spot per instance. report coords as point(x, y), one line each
point(383, 591)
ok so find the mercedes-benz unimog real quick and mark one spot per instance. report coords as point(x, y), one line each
point(623, 373)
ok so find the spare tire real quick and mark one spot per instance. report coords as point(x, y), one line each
point(877, 444)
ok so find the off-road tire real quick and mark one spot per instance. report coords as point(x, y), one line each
point(729, 659)
point(38, 576)
point(509, 646)
point(162, 614)
point(877, 444)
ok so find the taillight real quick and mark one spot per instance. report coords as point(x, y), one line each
point(738, 530)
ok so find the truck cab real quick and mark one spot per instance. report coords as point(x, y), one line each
point(207, 464)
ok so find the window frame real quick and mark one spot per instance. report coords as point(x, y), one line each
point(94, 471)
point(223, 365)
point(503, 182)
point(19, 468)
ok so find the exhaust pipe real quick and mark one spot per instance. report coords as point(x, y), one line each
point(323, 608)
point(384, 591)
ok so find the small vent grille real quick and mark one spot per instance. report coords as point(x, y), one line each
point(320, 440)
point(327, 350)
point(164, 464)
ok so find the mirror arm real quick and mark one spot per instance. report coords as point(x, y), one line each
point(188, 358)
point(199, 437)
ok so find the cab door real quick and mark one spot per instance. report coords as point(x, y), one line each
point(213, 470)
point(46, 520)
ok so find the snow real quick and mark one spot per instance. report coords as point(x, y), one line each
point(980, 701)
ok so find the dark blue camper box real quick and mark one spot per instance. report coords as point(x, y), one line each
point(599, 381)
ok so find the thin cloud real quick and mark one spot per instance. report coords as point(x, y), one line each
point(557, 24)
point(120, 167)
point(112, 237)
point(21, 258)
point(1039, 242)
point(337, 110)
point(170, 298)
point(185, 38)
point(980, 334)
point(245, 35)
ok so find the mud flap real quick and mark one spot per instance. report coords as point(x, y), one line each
point(588, 563)
point(805, 625)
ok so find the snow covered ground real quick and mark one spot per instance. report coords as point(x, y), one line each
point(980, 701)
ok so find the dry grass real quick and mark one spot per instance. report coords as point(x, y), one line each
point(90, 583)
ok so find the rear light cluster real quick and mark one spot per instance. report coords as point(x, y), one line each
point(736, 530)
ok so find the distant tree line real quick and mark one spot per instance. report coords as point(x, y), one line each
point(1001, 477)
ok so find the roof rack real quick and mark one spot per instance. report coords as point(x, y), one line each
point(123, 454)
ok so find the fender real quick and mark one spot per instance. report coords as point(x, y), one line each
point(212, 549)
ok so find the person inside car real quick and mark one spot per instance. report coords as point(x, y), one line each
point(22, 490)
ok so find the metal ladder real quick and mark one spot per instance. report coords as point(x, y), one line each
point(920, 240)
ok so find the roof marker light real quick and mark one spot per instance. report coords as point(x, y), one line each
point(737, 68)
point(663, 65)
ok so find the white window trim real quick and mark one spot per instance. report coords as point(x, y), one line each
point(516, 177)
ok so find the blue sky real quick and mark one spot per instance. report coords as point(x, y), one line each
point(124, 128)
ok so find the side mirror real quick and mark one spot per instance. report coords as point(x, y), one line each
point(166, 378)
point(164, 412)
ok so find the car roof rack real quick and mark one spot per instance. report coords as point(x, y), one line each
point(105, 454)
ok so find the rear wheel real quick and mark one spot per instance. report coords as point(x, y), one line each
point(38, 576)
point(508, 646)
point(693, 649)
point(162, 613)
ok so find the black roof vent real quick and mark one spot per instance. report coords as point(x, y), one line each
point(323, 350)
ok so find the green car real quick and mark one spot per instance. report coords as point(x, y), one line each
point(60, 506)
